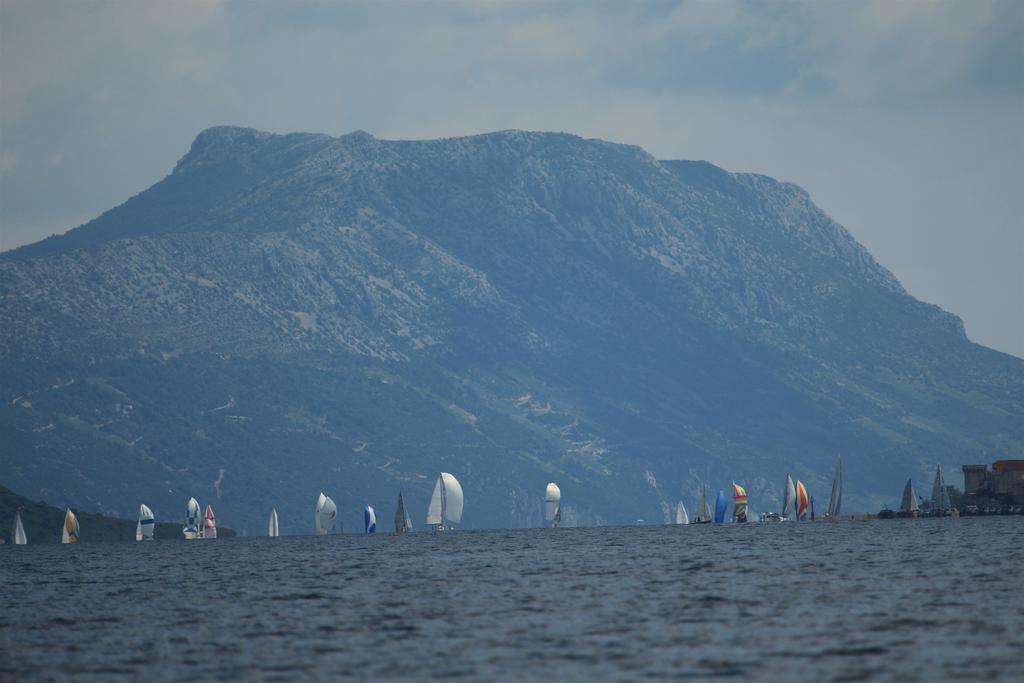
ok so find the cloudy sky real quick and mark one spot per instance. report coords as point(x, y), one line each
point(905, 120)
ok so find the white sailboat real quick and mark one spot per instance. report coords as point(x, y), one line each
point(192, 529)
point(370, 519)
point(272, 529)
point(553, 504)
point(788, 499)
point(836, 498)
point(71, 530)
point(326, 512)
point(146, 524)
point(908, 502)
point(681, 516)
point(19, 530)
point(446, 503)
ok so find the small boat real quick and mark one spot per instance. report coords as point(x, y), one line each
point(70, 532)
point(721, 507)
point(940, 505)
point(192, 528)
point(552, 504)
point(145, 526)
point(403, 524)
point(326, 512)
point(370, 519)
point(908, 503)
point(18, 534)
point(703, 515)
point(209, 523)
point(272, 529)
point(445, 504)
point(681, 516)
point(772, 517)
point(739, 503)
point(836, 499)
point(801, 502)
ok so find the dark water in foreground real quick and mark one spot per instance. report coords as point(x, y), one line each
point(895, 600)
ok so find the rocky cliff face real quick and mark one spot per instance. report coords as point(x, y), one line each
point(288, 313)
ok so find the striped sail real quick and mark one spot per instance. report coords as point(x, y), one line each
point(209, 523)
point(272, 529)
point(70, 532)
point(144, 528)
point(19, 530)
point(801, 501)
point(836, 499)
point(739, 503)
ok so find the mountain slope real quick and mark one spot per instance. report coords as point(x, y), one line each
point(288, 313)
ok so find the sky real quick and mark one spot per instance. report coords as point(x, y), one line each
point(904, 120)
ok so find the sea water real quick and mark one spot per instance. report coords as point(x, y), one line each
point(900, 600)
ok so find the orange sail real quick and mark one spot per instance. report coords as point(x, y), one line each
point(70, 533)
point(801, 501)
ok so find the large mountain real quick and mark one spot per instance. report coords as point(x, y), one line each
point(289, 313)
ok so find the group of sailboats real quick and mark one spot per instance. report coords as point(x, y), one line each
point(196, 527)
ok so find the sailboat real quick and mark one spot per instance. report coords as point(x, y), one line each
point(739, 503)
point(836, 498)
point(19, 530)
point(326, 511)
point(800, 502)
point(403, 523)
point(446, 503)
point(272, 530)
point(209, 523)
point(552, 504)
point(681, 516)
point(703, 509)
point(940, 496)
point(908, 504)
point(721, 507)
point(193, 525)
point(70, 532)
point(370, 519)
point(144, 528)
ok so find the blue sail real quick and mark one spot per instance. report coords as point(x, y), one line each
point(370, 519)
point(721, 506)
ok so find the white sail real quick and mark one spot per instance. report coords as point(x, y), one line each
point(681, 516)
point(788, 497)
point(703, 509)
point(552, 499)
point(326, 512)
point(446, 501)
point(144, 528)
point(19, 530)
point(909, 501)
point(836, 499)
point(453, 498)
point(403, 523)
point(272, 529)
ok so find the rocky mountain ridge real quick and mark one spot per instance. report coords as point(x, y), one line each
point(514, 306)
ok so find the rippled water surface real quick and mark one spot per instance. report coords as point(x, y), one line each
point(887, 600)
